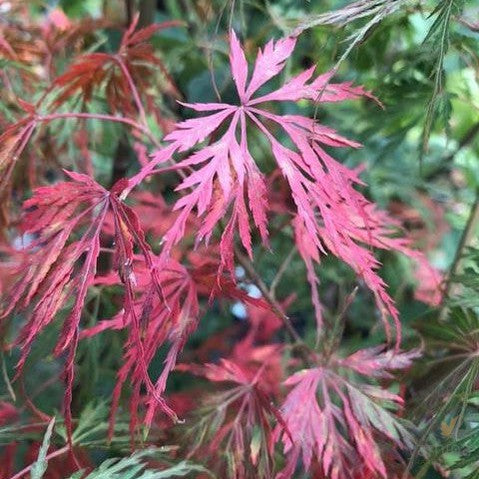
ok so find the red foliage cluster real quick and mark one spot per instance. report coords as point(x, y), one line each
point(77, 235)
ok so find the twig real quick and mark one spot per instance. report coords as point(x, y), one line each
point(7, 379)
point(473, 26)
point(277, 308)
point(466, 237)
point(102, 117)
point(444, 167)
point(303, 349)
point(133, 89)
point(465, 140)
point(281, 271)
point(53, 454)
point(338, 327)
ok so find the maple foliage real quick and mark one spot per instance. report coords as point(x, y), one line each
point(166, 315)
point(240, 418)
point(154, 269)
point(57, 266)
point(344, 439)
point(123, 74)
point(331, 215)
point(158, 305)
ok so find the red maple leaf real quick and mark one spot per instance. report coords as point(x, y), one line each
point(224, 183)
point(62, 227)
point(340, 421)
point(124, 74)
point(166, 318)
point(238, 419)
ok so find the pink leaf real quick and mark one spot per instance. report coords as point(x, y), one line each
point(269, 62)
point(323, 400)
point(239, 67)
point(223, 184)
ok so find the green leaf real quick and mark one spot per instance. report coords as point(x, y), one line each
point(40, 465)
point(438, 41)
point(133, 467)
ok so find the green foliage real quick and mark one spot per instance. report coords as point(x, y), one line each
point(450, 431)
point(437, 41)
point(41, 464)
point(134, 467)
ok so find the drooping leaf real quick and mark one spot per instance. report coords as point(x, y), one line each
point(237, 420)
point(339, 421)
point(123, 74)
point(224, 183)
point(58, 269)
point(166, 318)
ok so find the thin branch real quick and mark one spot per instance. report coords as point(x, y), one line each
point(303, 349)
point(445, 167)
point(102, 117)
point(467, 235)
point(134, 91)
point(468, 137)
point(473, 26)
point(282, 269)
point(52, 455)
point(7, 379)
point(277, 308)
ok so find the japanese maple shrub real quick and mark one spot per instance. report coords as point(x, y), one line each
point(161, 262)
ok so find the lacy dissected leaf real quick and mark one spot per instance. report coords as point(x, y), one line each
point(136, 467)
point(19, 54)
point(341, 422)
point(167, 318)
point(437, 43)
point(32, 44)
point(224, 183)
point(238, 420)
point(12, 142)
point(55, 270)
point(123, 74)
point(62, 226)
point(446, 392)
